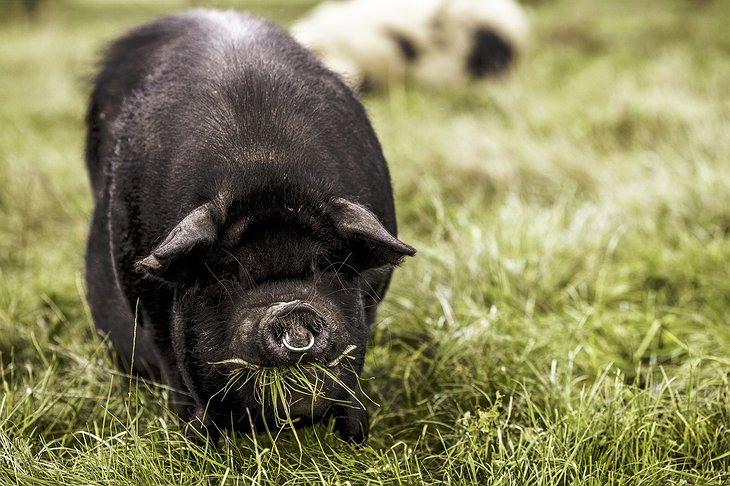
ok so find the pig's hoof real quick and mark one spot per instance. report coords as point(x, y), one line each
point(200, 428)
point(353, 424)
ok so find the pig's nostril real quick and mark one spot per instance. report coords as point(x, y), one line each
point(298, 340)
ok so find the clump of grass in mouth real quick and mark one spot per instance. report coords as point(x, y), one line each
point(280, 388)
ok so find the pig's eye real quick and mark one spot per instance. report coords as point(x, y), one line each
point(341, 266)
point(321, 264)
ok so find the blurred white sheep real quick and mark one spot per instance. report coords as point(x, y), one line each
point(374, 43)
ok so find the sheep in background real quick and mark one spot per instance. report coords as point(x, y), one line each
point(374, 43)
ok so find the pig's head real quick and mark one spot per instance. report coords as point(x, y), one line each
point(271, 288)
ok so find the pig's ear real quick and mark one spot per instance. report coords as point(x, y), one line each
point(196, 230)
point(373, 245)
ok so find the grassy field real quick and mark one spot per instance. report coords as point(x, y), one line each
point(567, 318)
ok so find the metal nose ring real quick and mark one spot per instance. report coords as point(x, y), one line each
point(289, 346)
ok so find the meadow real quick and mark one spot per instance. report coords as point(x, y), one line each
point(565, 322)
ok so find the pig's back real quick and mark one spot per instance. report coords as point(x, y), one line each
point(233, 96)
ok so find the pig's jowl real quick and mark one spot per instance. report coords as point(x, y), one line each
point(243, 210)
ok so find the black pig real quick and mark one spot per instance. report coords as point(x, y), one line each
point(243, 211)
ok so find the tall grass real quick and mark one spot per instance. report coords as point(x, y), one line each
point(565, 320)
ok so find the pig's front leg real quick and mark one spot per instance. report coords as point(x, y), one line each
point(352, 423)
point(200, 427)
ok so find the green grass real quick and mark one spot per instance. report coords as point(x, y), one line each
point(566, 320)
point(278, 390)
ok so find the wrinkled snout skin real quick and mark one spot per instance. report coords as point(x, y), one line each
point(243, 214)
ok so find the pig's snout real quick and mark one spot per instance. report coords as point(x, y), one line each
point(294, 328)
